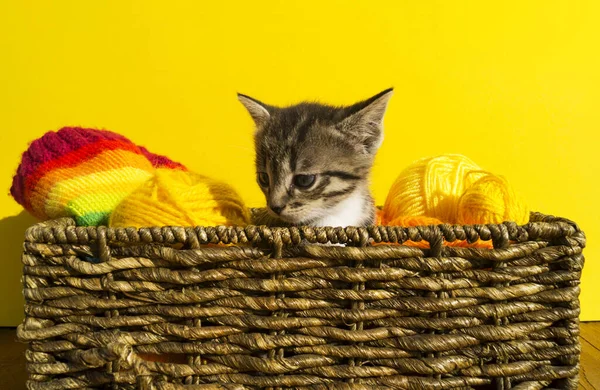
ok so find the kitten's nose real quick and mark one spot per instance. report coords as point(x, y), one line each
point(277, 209)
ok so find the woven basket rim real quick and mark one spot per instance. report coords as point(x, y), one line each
point(541, 226)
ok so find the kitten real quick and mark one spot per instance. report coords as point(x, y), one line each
point(313, 161)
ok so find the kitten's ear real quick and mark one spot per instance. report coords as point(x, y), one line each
point(258, 110)
point(364, 120)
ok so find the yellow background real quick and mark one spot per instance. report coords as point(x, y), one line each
point(512, 84)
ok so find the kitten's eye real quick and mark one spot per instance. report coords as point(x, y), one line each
point(304, 181)
point(263, 179)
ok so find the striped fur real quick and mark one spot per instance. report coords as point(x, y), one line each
point(335, 144)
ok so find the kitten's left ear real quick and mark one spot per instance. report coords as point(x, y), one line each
point(258, 110)
point(365, 120)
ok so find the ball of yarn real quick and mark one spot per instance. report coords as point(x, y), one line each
point(81, 173)
point(431, 187)
point(452, 189)
point(491, 199)
point(179, 198)
point(411, 220)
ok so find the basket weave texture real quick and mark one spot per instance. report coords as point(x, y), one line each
point(160, 308)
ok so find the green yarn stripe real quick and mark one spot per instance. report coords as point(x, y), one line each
point(95, 218)
point(94, 209)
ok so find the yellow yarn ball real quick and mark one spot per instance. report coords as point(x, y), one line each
point(491, 199)
point(453, 189)
point(431, 187)
point(173, 197)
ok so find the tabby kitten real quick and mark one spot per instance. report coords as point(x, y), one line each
point(313, 161)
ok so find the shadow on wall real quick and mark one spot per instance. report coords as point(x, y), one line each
point(12, 232)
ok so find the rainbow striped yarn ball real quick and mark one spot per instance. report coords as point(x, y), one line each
point(82, 173)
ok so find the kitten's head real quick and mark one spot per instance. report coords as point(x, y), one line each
point(310, 156)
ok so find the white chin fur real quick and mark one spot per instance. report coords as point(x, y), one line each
point(349, 212)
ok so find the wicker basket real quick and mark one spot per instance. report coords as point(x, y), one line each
point(272, 310)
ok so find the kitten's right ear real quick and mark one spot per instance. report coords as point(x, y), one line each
point(258, 110)
point(365, 120)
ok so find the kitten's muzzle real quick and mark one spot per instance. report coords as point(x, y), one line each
point(277, 209)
